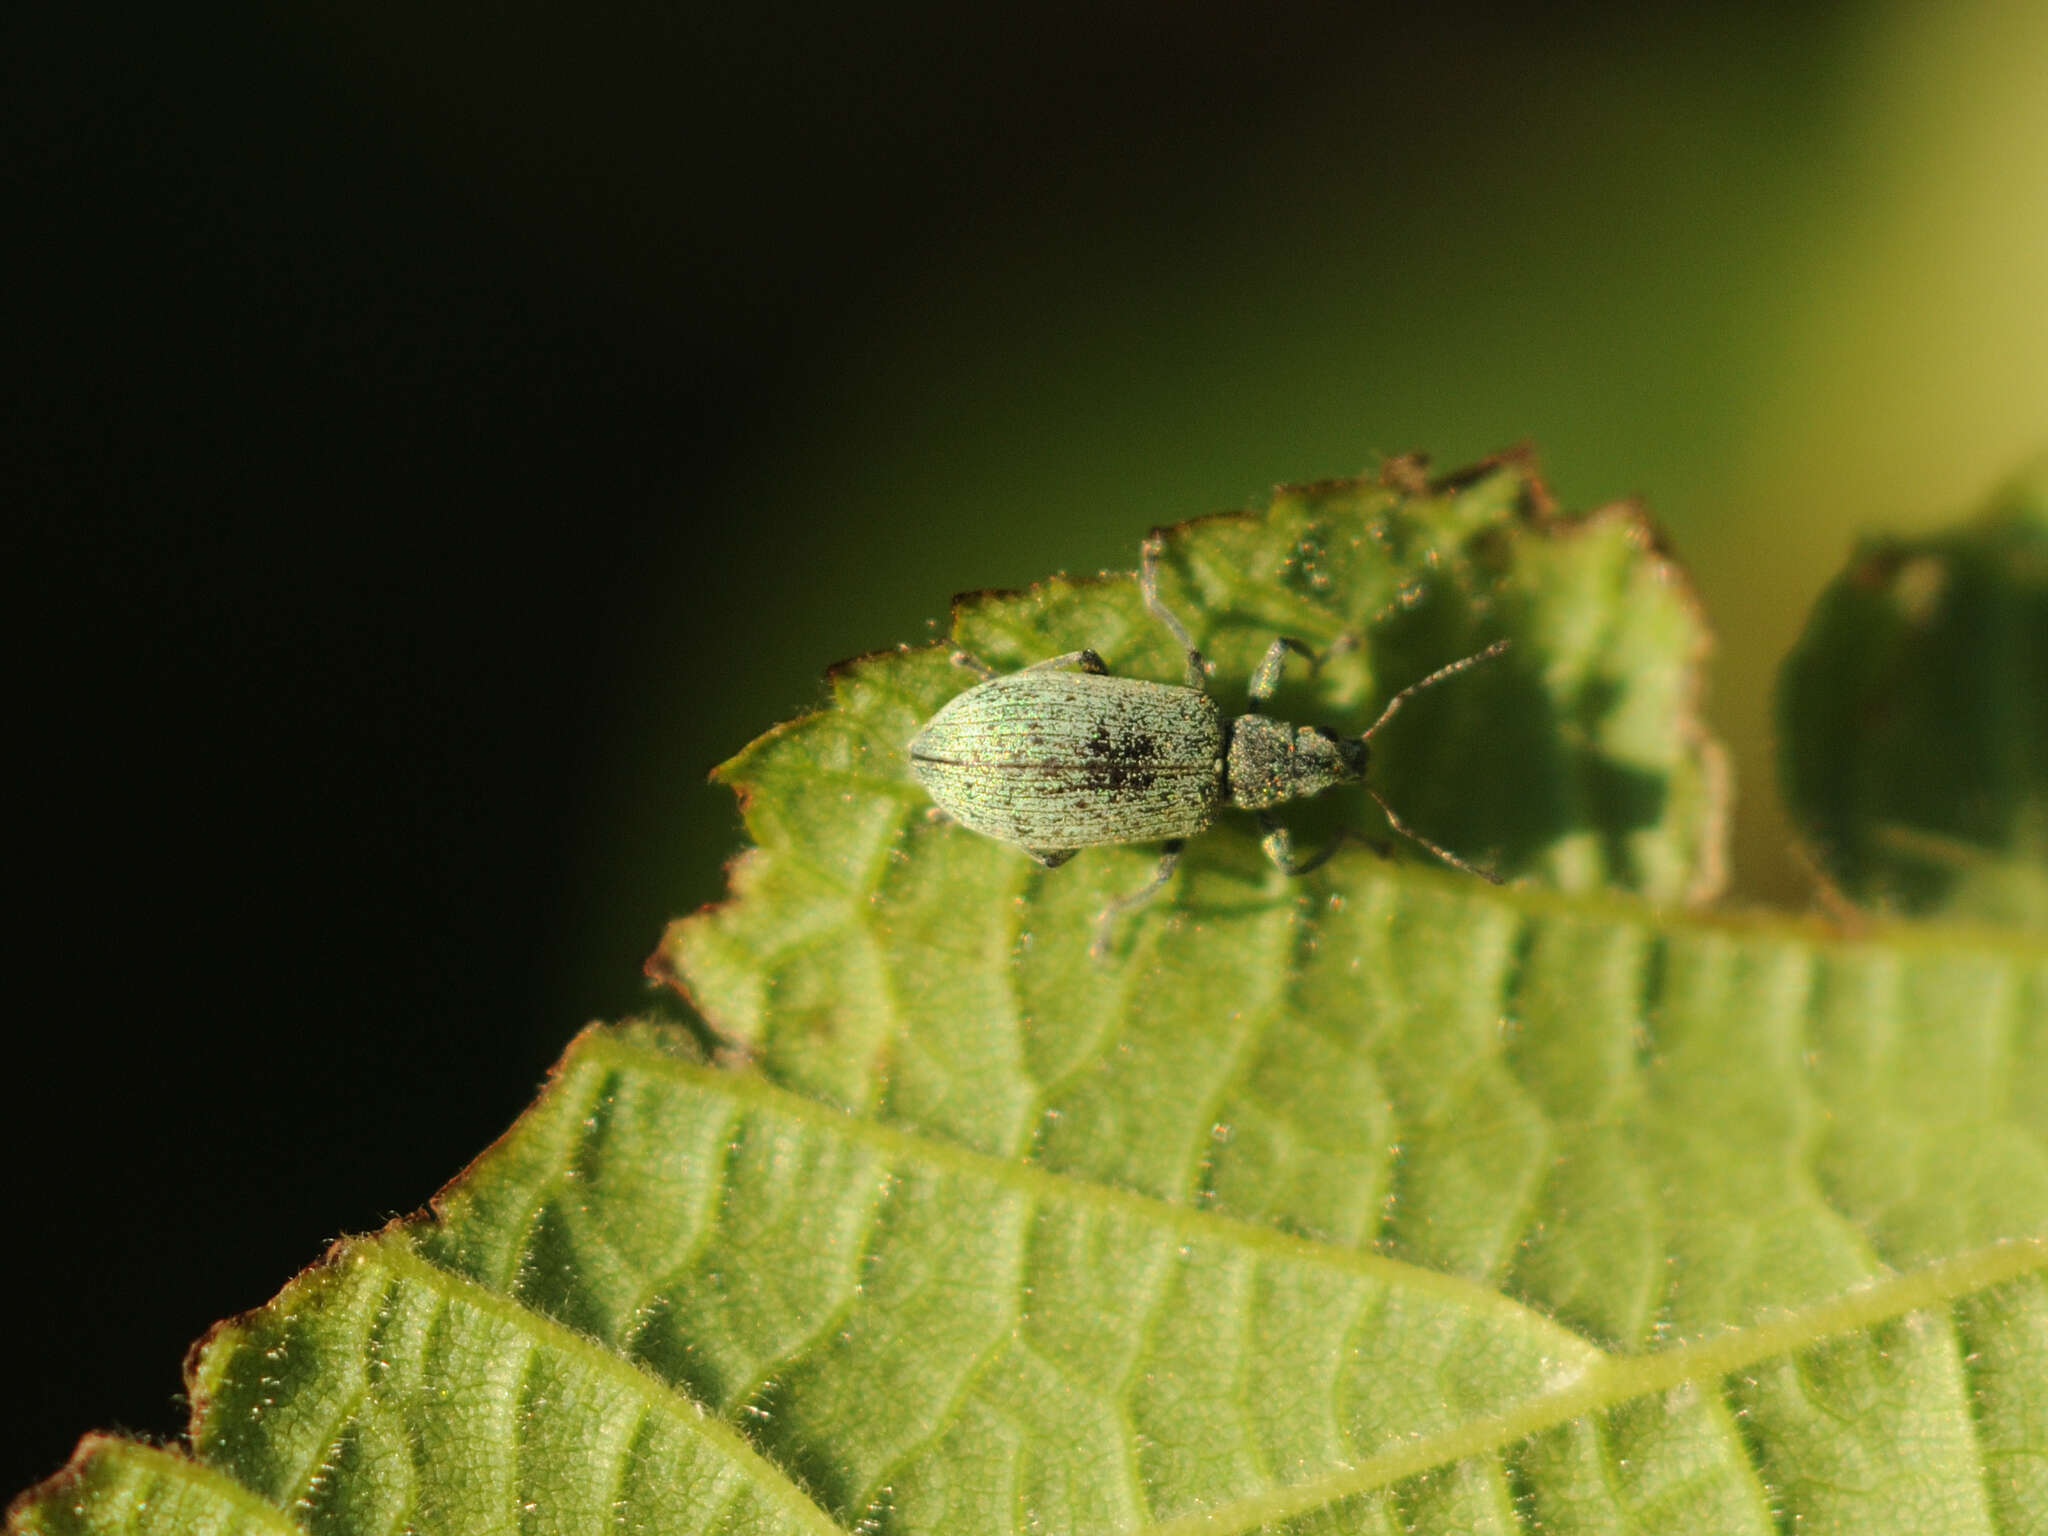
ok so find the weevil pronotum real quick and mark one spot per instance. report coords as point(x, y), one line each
point(1062, 756)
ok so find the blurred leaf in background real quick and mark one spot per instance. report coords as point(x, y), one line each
point(1913, 720)
point(1912, 378)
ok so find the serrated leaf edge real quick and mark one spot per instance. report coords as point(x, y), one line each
point(392, 1251)
point(99, 1449)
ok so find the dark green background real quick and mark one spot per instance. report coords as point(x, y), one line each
point(441, 436)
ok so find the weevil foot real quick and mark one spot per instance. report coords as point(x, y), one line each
point(967, 662)
point(1082, 661)
point(1280, 847)
point(1266, 680)
point(1052, 858)
point(1105, 929)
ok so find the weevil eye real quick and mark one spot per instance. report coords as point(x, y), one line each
point(1329, 735)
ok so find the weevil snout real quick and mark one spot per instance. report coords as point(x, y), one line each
point(1345, 756)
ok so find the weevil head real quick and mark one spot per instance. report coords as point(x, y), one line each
point(1271, 761)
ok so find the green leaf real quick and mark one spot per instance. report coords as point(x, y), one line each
point(1913, 718)
point(1378, 1201)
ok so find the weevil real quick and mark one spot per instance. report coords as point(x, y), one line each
point(1063, 755)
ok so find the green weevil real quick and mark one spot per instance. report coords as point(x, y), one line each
point(1062, 756)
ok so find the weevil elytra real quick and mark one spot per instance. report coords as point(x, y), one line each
point(1063, 756)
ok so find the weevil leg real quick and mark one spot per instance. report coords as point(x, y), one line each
point(1148, 588)
point(974, 664)
point(1266, 681)
point(1105, 920)
point(1084, 660)
point(1052, 858)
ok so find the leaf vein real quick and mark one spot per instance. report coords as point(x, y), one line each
point(946, 1420)
point(717, 1179)
point(829, 1322)
point(733, 1448)
point(1959, 1334)
point(1520, 1221)
point(1230, 1082)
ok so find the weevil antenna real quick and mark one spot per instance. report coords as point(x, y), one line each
point(1438, 849)
point(1414, 688)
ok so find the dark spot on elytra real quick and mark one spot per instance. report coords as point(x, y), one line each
point(1126, 764)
